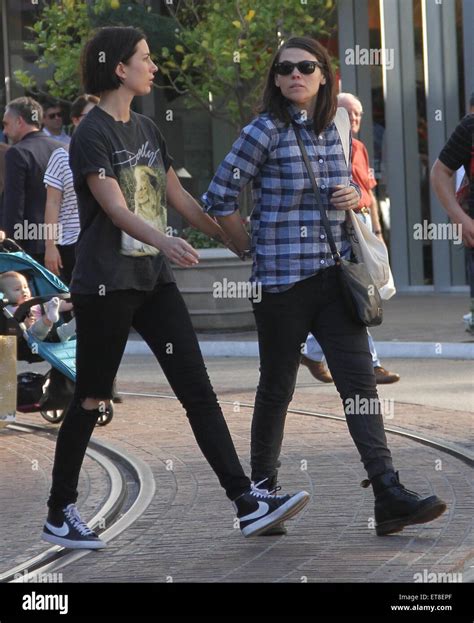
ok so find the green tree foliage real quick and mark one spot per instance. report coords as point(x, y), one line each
point(59, 34)
point(65, 25)
point(203, 47)
point(226, 46)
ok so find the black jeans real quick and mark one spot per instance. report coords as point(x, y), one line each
point(162, 319)
point(283, 322)
point(68, 259)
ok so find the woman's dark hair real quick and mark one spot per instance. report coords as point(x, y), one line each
point(108, 47)
point(81, 102)
point(274, 102)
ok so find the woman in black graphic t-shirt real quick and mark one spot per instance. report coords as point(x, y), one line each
point(122, 279)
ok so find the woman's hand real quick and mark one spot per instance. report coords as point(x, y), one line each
point(345, 198)
point(179, 251)
point(52, 259)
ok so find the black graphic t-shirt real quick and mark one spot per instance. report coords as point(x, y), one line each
point(134, 153)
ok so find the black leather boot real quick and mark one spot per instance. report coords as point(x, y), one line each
point(397, 507)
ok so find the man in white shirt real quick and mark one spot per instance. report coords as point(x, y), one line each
point(53, 123)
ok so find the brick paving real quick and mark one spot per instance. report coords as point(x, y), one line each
point(26, 461)
point(188, 534)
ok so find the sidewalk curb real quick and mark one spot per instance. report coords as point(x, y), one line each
point(386, 350)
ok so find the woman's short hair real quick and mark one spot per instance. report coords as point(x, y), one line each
point(81, 102)
point(274, 102)
point(100, 56)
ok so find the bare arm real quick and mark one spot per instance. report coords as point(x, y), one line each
point(52, 258)
point(374, 215)
point(234, 228)
point(108, 194)
point(442, 181)
point(190, 209)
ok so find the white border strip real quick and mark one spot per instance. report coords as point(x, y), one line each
point(387, 350)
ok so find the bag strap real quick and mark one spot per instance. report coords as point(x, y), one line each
point(335, 253)
point(343, 126)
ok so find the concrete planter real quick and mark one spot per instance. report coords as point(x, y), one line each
point(219, 272)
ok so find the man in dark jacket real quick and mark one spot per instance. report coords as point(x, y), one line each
point(3, 150)
point(24, 195)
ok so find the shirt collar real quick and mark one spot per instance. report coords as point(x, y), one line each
point(297, 115)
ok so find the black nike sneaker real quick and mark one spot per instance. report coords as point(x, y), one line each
point(257, 509)
point(70, 531)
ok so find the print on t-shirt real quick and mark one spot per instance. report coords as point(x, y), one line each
point(144, 189)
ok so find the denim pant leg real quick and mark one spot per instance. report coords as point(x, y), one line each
point(283, 321)
point(164, 323)
point(347, 353)
point(373, 351)
point(313, 349)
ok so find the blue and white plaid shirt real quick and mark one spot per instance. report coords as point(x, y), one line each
point(288, 238)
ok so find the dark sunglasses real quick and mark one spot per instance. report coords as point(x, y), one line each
point(304, 67)
point(52, 115)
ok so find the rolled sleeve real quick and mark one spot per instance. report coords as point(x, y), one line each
point(238, 168)
point(356, 187)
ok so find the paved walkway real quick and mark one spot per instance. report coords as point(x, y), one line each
point(407, 318)
point(428, 326)
point(188, 534)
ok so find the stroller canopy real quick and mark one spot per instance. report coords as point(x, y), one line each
point(42, 282)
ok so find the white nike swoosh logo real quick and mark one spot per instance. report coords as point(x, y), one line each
point(262, 510)
point(62, 531)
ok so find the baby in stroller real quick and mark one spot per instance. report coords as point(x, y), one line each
point(15, 289)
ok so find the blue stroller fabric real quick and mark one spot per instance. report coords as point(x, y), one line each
point(42, 282)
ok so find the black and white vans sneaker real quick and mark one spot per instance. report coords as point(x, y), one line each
point(257, 509)
point(73, 533)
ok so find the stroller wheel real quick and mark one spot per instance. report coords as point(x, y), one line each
point(54, 416)
point(106, 416)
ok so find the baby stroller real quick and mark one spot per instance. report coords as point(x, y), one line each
point(51, 393)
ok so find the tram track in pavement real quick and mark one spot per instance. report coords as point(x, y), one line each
point(132, 488)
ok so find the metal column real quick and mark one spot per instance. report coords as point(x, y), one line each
point(353, 31)
point(403, 165)
point(468, 48)
point(440, 76)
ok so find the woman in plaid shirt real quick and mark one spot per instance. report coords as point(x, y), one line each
point(294, 269)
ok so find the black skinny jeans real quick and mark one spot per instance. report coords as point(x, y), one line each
point(283, 322)
point(68, 259)
point(162, 319)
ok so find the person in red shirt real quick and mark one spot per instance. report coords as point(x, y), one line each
point(368, 212)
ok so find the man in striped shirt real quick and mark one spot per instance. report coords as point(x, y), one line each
point(61, 202)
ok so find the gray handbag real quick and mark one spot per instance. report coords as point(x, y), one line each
point(360, 294)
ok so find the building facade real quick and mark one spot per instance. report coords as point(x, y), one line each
point(411, 62)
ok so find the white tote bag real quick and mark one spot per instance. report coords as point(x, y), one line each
point(365, 244)
point(372, 252)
